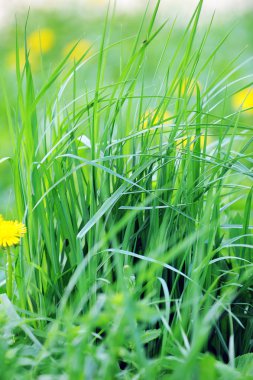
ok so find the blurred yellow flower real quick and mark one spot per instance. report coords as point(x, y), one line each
point(205, 140)
point(11, 59)
point(11, 232)
point(190, 85)
point(243, 100)
point(117, 299)
point(149, 119)
point(41, 41)
point(79, 50)
point(183, 142)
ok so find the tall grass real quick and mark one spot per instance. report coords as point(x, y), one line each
point(135, 265)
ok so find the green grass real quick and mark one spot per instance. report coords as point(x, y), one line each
point(138, 260)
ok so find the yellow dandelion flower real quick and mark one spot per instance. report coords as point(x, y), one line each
point(80, 49)
point(205, 140)
point(190, 86)
point(11, 60)
point(183, 142)
point(41, 41)
point(117, 299)
point(243, 100)
point(11, 232)
point(149, 119)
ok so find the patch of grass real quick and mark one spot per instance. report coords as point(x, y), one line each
point(136, 265)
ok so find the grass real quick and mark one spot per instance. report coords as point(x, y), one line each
point(136, 264)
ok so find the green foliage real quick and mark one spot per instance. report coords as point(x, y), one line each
point(137, 263)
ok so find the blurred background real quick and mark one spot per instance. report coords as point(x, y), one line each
point(55, 26)
point(223, 8)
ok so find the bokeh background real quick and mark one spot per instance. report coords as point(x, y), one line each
point(54, 26)
point(223, 8)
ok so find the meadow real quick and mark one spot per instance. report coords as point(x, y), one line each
point(126, 198)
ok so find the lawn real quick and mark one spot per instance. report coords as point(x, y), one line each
point(126, 198)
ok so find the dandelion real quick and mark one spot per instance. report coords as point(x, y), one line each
point(244, 100)
point(183, 142)
point(189, 86)
point(79, 51)
point(150, 118)
point(32, 57)
point(41, 41)
point(117, 299)
point(11, 233)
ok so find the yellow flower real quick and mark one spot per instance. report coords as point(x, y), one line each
point(117, 299)
point(78, 52)
point(41, 41)
point(243, 100)
point(183, 142)
point(190, 86)
point(11, 232)
point(11, 59)
point(149, 119)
